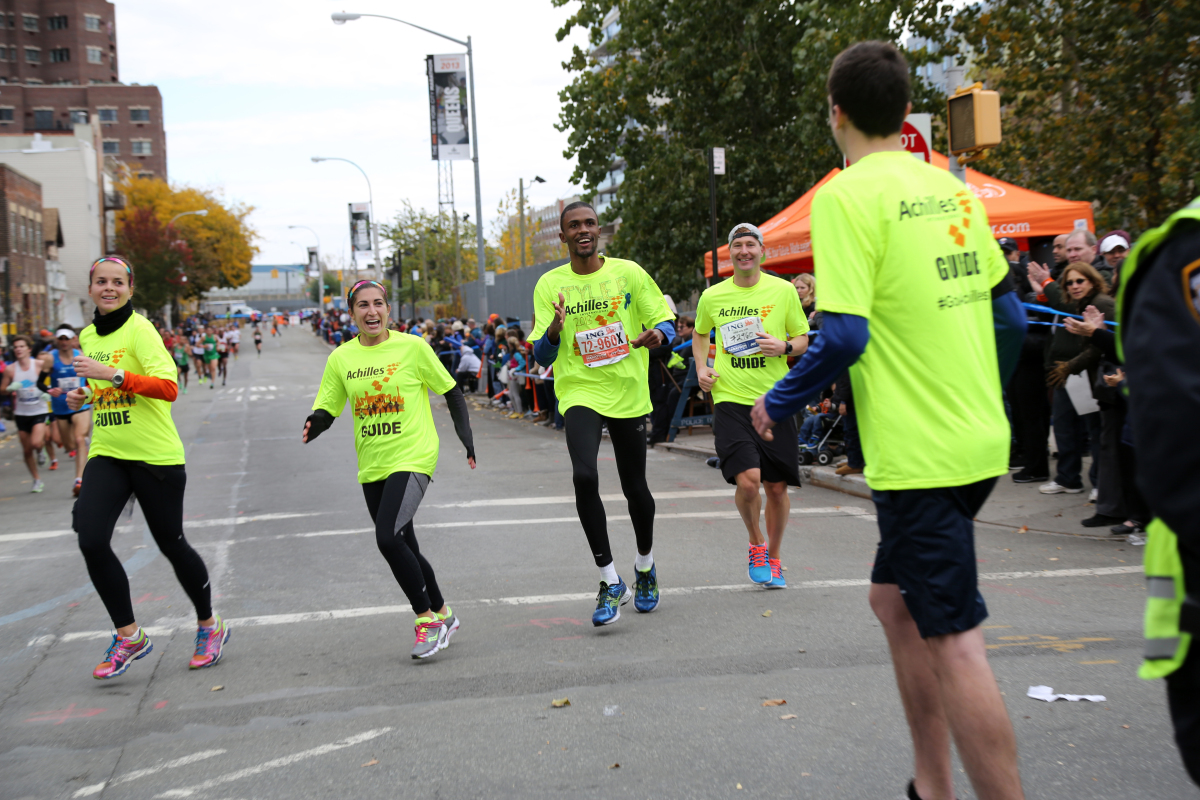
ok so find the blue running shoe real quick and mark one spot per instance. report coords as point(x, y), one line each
point(645, 590)
point(609, 602)
point(777, 579)
point(759, 570)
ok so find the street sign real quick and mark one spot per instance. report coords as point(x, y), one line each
point(489, 278)
point(416, 275)
point(718, 160)
point(916, 134)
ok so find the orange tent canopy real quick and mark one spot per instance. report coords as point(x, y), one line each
point(1012, 211)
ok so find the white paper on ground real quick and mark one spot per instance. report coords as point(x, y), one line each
point(1079, 389)
point(1047, 694)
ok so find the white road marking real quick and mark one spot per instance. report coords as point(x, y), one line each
point(191, 523)
point(276, 763)
point(543, 599)
point(609, 498)
point(96, 788)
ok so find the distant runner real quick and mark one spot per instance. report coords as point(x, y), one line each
point(29, 405)
point(257, 339)
point(233, 335)
point(387, 376)
point(180, 355)
point(609, 310)
point(222, 355)
point(759, 323)
point(135, 451)
point(209, 341)
point(73, 426)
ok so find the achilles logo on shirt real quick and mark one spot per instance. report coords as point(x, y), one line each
point(929, 206)
point(364, 372)
point(742, 311)
point(104, 358)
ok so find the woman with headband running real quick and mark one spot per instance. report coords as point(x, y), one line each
point(135, 450)
point(386, 375)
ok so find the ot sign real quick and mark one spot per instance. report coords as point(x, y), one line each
point(917, 134)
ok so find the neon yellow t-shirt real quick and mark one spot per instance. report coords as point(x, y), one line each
point(387, 386)
point(908, 246)
point(745, 373)
point(126, 425)
point(606, 311)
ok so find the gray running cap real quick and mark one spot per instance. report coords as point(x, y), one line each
point(745, 229)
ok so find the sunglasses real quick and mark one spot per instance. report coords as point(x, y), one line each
point(1077, 281)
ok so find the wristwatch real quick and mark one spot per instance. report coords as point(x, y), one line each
point(118, 378)
point(787, 351)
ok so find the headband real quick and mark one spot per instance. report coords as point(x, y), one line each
point(115, 260)
point(359, 285)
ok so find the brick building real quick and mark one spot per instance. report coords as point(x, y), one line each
point(22, 245)
point(58, 67)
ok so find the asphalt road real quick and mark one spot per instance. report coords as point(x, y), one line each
point(317, 696)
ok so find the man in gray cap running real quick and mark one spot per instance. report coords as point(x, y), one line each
point(759, 322)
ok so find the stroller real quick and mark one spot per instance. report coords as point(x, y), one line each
point(826, 443)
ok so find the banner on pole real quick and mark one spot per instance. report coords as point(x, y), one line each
point(448, 131)
point(360, 227)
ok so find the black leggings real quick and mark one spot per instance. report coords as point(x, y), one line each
point(107, 484)
point(393, 504)
point(628, 436)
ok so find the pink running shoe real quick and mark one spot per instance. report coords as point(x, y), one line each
point(121, 653)
point(210, 643)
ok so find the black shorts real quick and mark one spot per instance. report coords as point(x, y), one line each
point(741, 448)
point(71, 414)
point(25, 423)
point(927, 548)
point(184, 367)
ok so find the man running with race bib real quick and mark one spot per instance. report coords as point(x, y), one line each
point(73, 426)
point(594, 319)
point(759, 323)
point(916, 296)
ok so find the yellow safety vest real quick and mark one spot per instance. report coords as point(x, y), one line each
point(1166, 645)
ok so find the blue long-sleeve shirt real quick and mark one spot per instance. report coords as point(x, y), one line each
point(545, 351)
point(844, 337)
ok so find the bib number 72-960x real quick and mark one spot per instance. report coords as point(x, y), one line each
point(602, 346)
point(740, 337)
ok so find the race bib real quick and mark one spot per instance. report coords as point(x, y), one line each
point(208, 347)
point(740, 337)
point(603, 346)
point(67, 384)
point(29, 394)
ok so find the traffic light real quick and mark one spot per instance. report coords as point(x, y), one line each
point(973, 115)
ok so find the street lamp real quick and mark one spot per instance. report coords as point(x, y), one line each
point(320, 266)
point(202, 212)
point(341, 18)
point(371, 198)
point(521, 209)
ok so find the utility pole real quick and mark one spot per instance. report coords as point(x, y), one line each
point(716, 166)
point(521, 212)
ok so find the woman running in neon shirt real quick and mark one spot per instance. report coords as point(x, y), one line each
point(386, 375)
point(135, 451)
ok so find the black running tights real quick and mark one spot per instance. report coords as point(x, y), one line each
point(628, 436)
point(393, 504)
point(107, 484)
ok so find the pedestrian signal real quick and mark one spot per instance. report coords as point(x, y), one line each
point(274, 273)
point(973, 116)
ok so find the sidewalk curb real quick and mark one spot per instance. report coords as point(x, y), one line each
point(682, 449)
point(827, 478)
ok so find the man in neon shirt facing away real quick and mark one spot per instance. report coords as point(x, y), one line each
point(917, 298)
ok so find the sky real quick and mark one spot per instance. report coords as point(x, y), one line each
point(252, 90)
